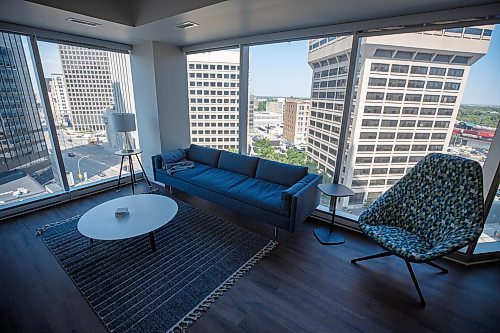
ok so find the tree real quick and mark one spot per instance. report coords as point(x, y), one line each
point(262, 106)
point(479, 114)
point(264, 149)
point(295, 156)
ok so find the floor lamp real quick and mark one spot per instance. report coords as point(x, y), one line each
point(124, 123)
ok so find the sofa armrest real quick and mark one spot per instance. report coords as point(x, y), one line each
point(304, 202)
point(157, 160)
point(157, 164)
point(287, 195)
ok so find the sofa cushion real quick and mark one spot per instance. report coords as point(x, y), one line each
point(286, 196)
point(246, 165)
point(205, 155)
point(279, 173)
point(217, 180)
point(260, 193)
point(173, 156)
point(189, 174)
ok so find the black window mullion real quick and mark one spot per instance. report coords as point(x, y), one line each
point(44, 98)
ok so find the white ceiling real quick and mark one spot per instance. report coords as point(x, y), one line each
point(156, 19)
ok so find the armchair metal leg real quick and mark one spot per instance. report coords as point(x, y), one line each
point(441, 268)
point(374, 256)
point(415, 282)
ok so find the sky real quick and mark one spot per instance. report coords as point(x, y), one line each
point(51, 62)
point(281, 69)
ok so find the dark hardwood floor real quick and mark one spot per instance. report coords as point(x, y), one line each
point(301, 286)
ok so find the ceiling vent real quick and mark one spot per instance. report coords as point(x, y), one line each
point(187, 25)
point(84, 22)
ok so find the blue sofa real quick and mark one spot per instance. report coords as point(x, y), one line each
point(279, 194)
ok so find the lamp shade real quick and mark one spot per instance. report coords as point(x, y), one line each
point(123, 122)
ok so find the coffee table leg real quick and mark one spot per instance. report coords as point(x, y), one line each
point(152, 241)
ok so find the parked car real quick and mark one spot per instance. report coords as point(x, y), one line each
point(71, 154)
point(101, 174)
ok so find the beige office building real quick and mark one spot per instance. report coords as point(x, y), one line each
point(274, 107)
point(408, 93)
point(296, 120)
point(89, 86)
point(213, 80)
point(59, 100)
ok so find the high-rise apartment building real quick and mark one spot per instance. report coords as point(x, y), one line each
point(21, 133)
point(89, 85)
point(59, 100)
point(296, 120)
point(408, 92)
point(213, 80)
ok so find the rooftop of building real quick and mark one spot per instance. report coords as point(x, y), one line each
point(16, 185)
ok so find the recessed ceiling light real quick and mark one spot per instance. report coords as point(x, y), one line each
point(85, 22)
point(187, 25)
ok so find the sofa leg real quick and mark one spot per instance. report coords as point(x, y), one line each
point(170, 190)
point(275, 234)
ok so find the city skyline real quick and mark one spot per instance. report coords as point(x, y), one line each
point(270, 74)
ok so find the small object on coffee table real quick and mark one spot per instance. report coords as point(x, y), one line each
point(324, 234)
point(121, 212)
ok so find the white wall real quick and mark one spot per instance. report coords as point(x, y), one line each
point(172, 95)
point(161, 102)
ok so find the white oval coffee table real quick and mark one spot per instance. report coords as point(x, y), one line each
point(147, 212)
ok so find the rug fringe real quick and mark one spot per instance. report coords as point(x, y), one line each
point(40, 231)
point(196, 313)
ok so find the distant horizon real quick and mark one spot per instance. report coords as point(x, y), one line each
point(271, 96)
point(270, 73)
point(281, 70)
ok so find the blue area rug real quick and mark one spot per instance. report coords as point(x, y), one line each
point(198, 257)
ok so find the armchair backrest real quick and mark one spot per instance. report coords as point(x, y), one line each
point(442, 194)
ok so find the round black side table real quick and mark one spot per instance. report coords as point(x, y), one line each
point(324, 234)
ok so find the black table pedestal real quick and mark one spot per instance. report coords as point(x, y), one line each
point(326, 237)
point(325, 234)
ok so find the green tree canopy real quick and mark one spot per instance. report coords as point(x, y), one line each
point(264, 149)
point(479, 114)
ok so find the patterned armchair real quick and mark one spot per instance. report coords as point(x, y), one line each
point(436, 209)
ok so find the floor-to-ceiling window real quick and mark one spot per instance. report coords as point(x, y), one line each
point(297, 93)
point(412, 93)
point(214, 102)
point(28, 163)
point(86, 87)
point(56, 105)
point(418, 93)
